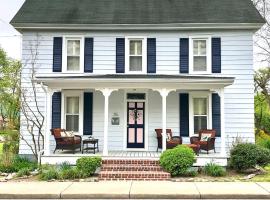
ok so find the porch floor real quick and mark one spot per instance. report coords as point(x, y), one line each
point(117, 154)
point(61, 156)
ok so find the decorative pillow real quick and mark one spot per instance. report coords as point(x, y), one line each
point(70, 133)
point(205, 136)
point(168, 136)
point(63, 134)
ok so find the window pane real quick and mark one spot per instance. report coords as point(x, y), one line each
point(135, 63)
point(72, 123)
point(200, 106)
point(73, 63)
point(199, 63)
point(72, 106)
point(135, 47)
point(73, 47)
point(200, 122)
point(199, 47)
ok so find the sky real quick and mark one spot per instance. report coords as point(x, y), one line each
point(10, 39)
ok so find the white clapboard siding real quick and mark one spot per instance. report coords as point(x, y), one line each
point(237, 61)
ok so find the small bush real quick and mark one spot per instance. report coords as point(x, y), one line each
point(246, 156)
point(65, 166)
point(23, 172)
point(178, 160)
point(212, 169)
point(22, 163)
point(49, 174)
point(11, 144)
point(71, 173)
point(88, 165)
point(263, 156)
point(264, 143)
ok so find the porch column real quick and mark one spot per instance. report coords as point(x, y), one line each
point(222, 123)
point(49, 93)
point(106, 93)
point(164, 93)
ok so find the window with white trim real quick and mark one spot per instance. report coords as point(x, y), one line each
point(200, 55)
point(72, 113)
point(73, 57)
point(136, 55)
point(200, 114)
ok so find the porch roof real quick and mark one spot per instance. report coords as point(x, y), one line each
point(122, 81)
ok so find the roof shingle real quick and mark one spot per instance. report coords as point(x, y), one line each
point(137, 12)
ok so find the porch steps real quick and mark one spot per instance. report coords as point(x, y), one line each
point(132, 169)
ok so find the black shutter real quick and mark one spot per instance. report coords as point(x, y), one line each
point(88, 55)
point(184, 114)
point(56, 110)
point(88, 113)
point(216, 55)
point(57, 54)
point(120, 55)
point(184, 55)
point(151, 55)
point(216, 113)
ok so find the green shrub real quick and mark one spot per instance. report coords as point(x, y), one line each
point(49, 174)
point(215, 170)
point(246, 156)
point(264, 143)
point(11, 144)
point(263, 156)
point(65, 166)
point(178, 160)
point(22, 163)
point(23, 172)
point(71, 173)
point(88, 165)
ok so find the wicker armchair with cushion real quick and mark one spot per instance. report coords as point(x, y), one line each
point(172, 141)
point(65, 141)
point(206, 140)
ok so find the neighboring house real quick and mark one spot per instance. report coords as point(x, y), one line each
point(180, 64)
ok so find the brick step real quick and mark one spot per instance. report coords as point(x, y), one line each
point(130, 167)
point(131, 161)
point(138, 175)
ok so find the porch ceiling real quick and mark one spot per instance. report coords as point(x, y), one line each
point(126, 81)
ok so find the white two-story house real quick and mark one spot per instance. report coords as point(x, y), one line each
point(117, 70)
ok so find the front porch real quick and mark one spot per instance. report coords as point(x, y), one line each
point(156, 98)
point(68, 156)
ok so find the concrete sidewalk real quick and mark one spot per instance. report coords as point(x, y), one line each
point(134, 190)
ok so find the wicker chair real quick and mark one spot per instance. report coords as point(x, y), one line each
point(66, 143)
point(175, 140)
point(205, 145)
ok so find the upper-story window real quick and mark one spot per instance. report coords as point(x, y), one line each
point(73, 54)
point(200, 55)
point(136, 55)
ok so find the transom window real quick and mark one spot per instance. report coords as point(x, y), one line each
point(200, 114)
point(73, 59)
point(200, 59)
point(136, 55)
point(72, 114)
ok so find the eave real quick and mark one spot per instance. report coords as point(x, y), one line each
point(123, 81)
point(111, 27)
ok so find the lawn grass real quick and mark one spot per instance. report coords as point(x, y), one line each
point(263, 177)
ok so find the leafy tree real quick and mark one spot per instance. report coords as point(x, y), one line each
point(9, 89)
